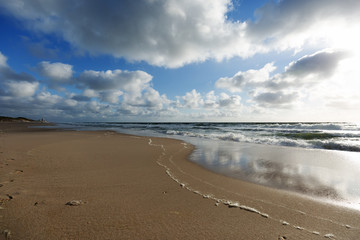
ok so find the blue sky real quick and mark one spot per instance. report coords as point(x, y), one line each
point(167, 60)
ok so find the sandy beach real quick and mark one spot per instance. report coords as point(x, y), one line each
point(103, 185)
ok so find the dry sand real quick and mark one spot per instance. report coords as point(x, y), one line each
point(103, 185)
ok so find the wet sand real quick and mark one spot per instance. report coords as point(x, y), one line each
point(103, 185)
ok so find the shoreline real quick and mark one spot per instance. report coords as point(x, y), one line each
point(143, 187)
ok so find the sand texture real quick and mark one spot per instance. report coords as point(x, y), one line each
point(103, 185)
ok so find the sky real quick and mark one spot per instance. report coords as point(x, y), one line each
point(173, 61)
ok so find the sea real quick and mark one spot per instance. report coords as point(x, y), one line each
point(315, 159)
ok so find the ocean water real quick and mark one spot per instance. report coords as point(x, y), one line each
point(320, 160)
point(330, 136)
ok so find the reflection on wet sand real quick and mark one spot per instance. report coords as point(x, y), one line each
point(284, 176)
point(319, 173)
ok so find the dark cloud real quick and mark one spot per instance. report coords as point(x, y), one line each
point(308, 71)
point(227, 101)
point(9, 74)
point(134, 81)
point(322, 63)
point(277, 99)
point(81, 98)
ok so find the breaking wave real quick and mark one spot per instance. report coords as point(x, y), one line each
point(329, 136)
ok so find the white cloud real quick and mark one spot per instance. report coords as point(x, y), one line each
point(192, 99)
point(211, 104)
point(222, 101)
point(132, 86)
point(3, 60)
point(70, 102)
point(57, 72)
point(153, 99)
point(148, 103)
point(245, 79)
point(324, 81)
point(106, 94)
point(210, 100)
point(90, 93)
point(300, 78)
point(46, 98)
point(22, 88)
point(174, 33)
point(163, 33)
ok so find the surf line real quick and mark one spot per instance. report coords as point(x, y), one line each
point(226, 202)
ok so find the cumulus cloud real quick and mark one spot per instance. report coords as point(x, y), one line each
point(57, 72)
point(45, 98)
point(105, 94)
point(22, 88)
point(15, 84)
point(282, 89)
point(321, 63)
point(164, 33)
point(134, 82)
point(173, 33)
point(222, 101)
point(90, 93)
point(154, 100)
point(245, 79)
point(109, 86)
point(192, 99)
point(110, 96)
point(130, 90)
point(210, 102)
point(3, 60)
point(149, 104)
point(309, 70)
point(227, 101)
point(275, 98)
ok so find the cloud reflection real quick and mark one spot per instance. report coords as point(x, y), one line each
point(308, 172)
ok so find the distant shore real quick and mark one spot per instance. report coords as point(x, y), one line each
point(20, 120)
point(103, 185)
